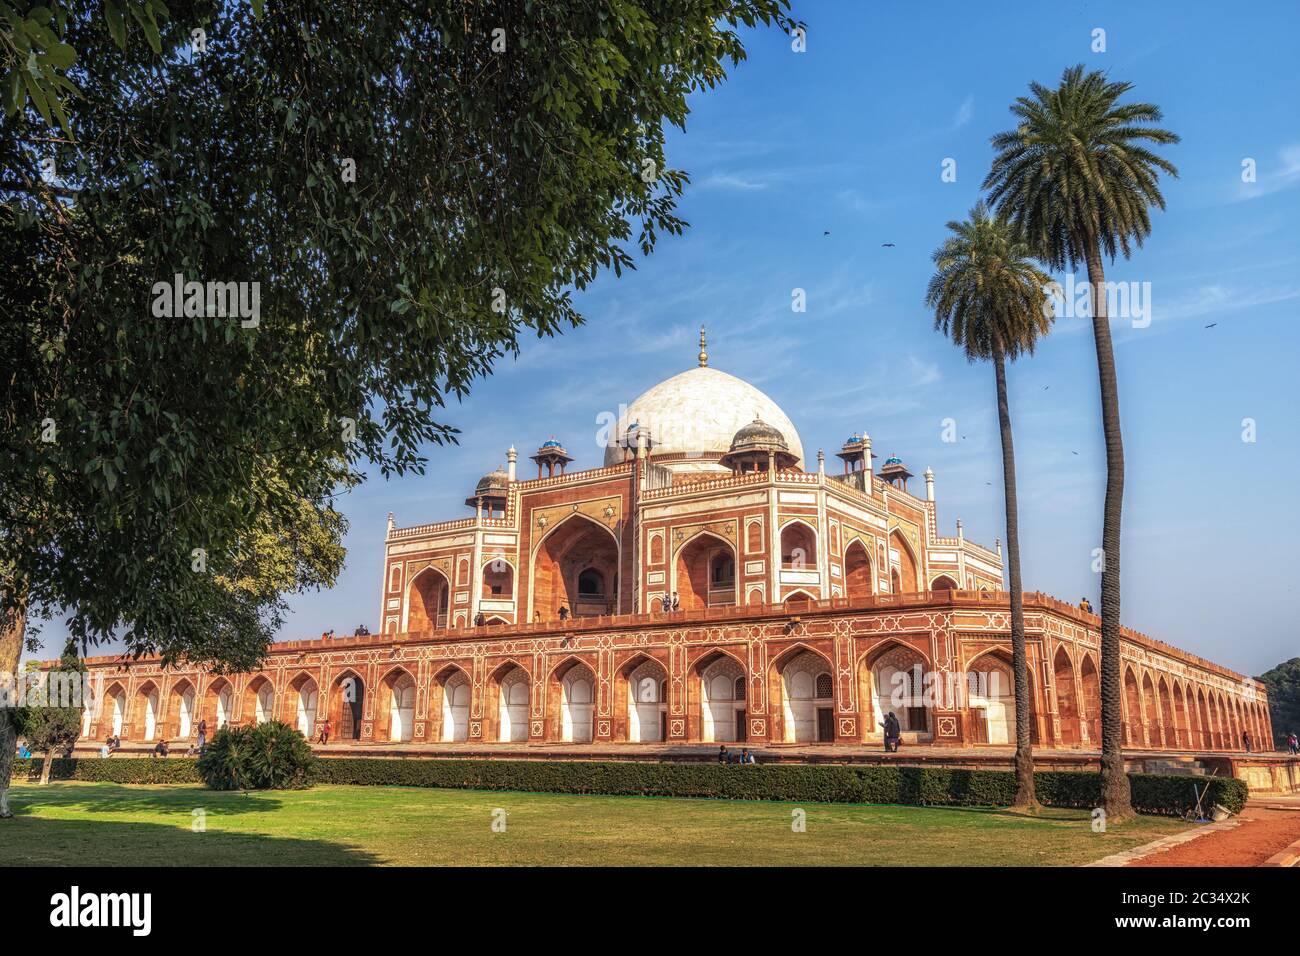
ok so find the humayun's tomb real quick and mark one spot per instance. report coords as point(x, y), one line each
point(706, 584)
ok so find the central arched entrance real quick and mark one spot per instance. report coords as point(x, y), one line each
point(576, 568)
point(705, 573)
point(428, 597)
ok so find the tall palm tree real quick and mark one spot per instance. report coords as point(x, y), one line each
point(991, 300)
point(1079, 178)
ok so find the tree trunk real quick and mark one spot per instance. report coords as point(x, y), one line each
point(12, 626)
point(46, 764)
point(1115, 795)
point(1025, 797)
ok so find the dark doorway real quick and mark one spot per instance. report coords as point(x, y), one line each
point(825, 725)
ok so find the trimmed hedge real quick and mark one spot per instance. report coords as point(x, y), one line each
point(821, 783)
point(113, 769)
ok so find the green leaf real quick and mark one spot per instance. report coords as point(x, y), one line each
point(116, 23)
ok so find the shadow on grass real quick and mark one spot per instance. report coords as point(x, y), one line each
point(33, 841)
point(119, 798)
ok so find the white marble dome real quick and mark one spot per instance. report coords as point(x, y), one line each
point(700, 410)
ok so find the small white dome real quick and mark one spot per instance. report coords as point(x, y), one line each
point(700, 410)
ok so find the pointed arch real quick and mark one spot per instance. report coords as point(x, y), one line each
point(182, 720)
point(798, 545)
point(572, 687)
point(1067, 708)
point(450, 699)
point(148, 709)
point(859, 579)
point(395, 714)
point(801, 688)
point(115, 708)
point(509, 689)
point(347, 704)
point(259, 701)
point(718, 690)
point(704, 572)
point(641, 695)
point(568, 559)
point(1090, 697)
point(944, 582)
point(428, 600)
point(905, 573)
point(305, 698)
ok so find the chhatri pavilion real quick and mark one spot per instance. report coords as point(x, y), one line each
point(707, 583)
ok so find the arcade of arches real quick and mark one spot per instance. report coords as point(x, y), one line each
point(765, 676)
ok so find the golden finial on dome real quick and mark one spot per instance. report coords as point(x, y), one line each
point(704, 356)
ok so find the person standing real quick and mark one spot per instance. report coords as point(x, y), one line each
point(1293, 744)
point(203, 733)
point(1245, 740)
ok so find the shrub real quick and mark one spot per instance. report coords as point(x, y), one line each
point(270, 756)
point(136, 770)
point(918, 786)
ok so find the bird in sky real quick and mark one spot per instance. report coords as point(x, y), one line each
point(886, 245)
point(1212, 325)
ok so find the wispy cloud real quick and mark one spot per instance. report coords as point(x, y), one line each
point(746, 182)
point(964, 112)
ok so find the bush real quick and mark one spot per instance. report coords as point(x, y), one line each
point(138, 770)
point(916, 786)
point(270, 756)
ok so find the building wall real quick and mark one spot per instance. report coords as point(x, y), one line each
point(848, 640)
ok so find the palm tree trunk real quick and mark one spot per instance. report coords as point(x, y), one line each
point(12, 627)
point(1025, 797)
point(1115, 795)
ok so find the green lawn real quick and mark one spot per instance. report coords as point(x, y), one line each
point(110, 824)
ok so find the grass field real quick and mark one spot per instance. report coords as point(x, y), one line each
point(108, 824)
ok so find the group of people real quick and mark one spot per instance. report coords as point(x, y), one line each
point(324, 736)
point(728, 756)
point(670, 604)
point(1292, 744)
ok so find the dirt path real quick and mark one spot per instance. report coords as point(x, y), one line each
point(1262, 833)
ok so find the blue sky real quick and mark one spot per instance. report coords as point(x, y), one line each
point(850, 137)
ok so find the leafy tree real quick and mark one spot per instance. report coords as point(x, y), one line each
point(1283, 685)
point(990, 298)
point(47, 727)
point(413, 186)
point(1078, 178)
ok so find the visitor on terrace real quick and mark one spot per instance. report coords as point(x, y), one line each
point(723, 757)
point(1293, 744)
point(564, 612)
point(160, 750)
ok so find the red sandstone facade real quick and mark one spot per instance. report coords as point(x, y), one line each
point(807, 606)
